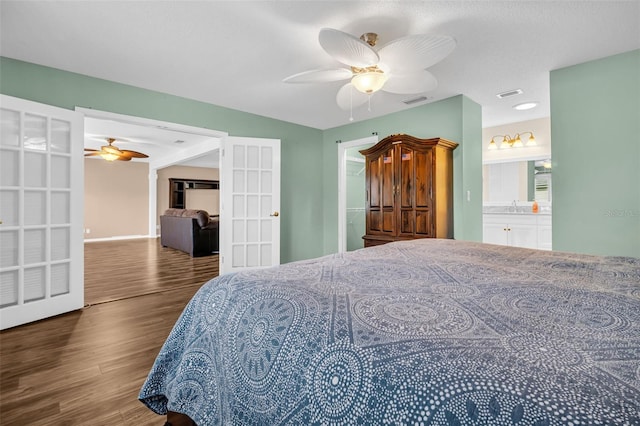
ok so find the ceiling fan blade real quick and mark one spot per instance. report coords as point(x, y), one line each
point(410, 82)
point(132, 154)
point(92, 154)
point(348, 97)
point(347, 49)
point(123, 158)
point(91, 149)
point(320, 76)
point(416, 52)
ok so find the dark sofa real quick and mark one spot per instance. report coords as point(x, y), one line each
point(191, 231)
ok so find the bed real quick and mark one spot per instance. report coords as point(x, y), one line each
point(422, 332)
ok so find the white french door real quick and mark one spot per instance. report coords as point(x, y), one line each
point(250, 203)
point(41, 211)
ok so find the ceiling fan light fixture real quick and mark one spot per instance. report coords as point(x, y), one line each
point(369, 81)
point(109, 156)
point(111, 150)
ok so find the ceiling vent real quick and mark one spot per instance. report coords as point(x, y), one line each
point(415, 100)
point(509, 93)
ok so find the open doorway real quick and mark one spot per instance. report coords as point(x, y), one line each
point(351, 193)
point(123, 202)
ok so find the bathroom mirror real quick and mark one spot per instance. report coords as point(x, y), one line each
point(517, 181)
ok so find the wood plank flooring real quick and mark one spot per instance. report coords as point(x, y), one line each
point(87, 367)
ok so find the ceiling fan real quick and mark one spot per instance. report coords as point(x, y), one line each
point(112, 153)
point(399, 66)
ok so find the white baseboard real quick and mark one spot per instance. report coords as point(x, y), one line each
point(122, 237)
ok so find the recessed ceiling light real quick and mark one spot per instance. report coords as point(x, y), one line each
point(525, 106)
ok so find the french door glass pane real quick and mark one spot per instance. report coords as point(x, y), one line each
point(238, 231)
point(8, 249)
point(238, 156)
point(9, 207)
point(253, 234)
point(35, 208)
point(238, 206)
point(9, 160)
point(253, 160)
point(35, 167)
point(266, 205)
point(61, 171)
point(60, 136)
point(253, 208)
point(60, 278)
point(253, 255)
point(266, 182)
point(266, 253)
point(8, 288)
point(238, 181)
point(10, 132)
point(35, 132)
point(60, 243)
point(34, 246)
point(265, 231)
point(238, 256)
point(267, 155)
point(60, 202)
point(34, 283)
point(253, 183)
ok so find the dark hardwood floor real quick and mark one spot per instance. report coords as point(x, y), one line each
point(86, 367)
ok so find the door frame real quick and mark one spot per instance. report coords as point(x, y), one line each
point(163, 162)
point(342, 185)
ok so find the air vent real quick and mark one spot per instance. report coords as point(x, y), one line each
point(415, 100)
point(509, 93)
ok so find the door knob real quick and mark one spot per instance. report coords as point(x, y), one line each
point(275, 214)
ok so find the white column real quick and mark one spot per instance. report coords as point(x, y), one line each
point(153, 203)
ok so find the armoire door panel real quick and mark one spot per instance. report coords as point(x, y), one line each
point(406, 177)
point(423, 178)
point(423, 223)
point(407, 219)
point(374, 222)
point(388, 192)
point(374, 182)
point(388, 222)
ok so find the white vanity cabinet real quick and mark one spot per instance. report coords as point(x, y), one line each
point(544, 232)
point(518, 230)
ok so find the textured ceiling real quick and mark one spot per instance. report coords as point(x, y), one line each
point(236, 53)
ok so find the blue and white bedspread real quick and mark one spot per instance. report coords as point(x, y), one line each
point(425, 332)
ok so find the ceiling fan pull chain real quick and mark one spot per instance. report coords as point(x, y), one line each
point(351, 103)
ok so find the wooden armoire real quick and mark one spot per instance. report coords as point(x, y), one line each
point(409, 184)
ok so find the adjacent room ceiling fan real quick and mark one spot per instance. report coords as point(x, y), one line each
point(112, 153)
point(399, 66)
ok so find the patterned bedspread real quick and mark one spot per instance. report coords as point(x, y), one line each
point(426, 332)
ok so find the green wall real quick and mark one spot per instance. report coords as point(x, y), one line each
point(309, 197)
point(595, 128)
point(458, 119)
point(301, 219)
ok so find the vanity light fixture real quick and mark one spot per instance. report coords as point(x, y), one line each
point(512, 142)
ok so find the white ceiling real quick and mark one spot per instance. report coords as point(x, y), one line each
point(236, 53)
